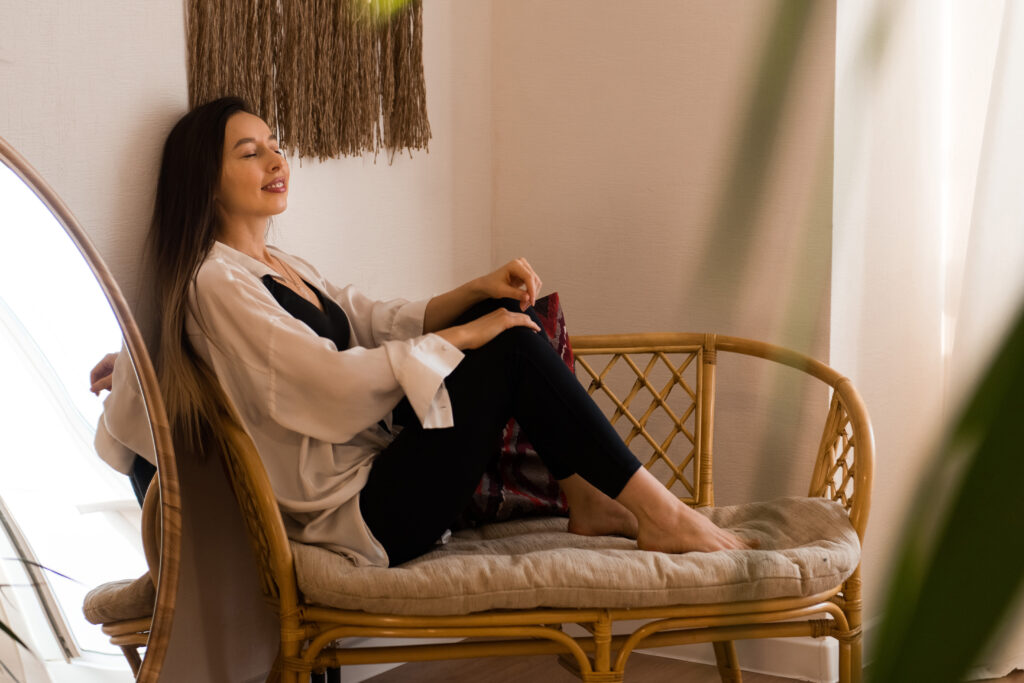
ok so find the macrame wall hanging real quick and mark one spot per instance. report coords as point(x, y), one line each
point(333, 77)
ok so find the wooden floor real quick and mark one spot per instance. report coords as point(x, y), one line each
point(544, 669)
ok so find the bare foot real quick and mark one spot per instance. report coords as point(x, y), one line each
point(687, 531)
point(667, 524)
point(607, 520)
point(592, 513)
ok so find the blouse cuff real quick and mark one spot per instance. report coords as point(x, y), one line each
point(408, 320)
point(124, 425)
point(429, 359)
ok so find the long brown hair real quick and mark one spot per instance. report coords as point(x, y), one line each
point(181, 235)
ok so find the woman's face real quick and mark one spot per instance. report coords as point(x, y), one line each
point(254, 173)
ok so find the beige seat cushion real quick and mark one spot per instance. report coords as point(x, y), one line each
point(120, 601)
point(807, 545)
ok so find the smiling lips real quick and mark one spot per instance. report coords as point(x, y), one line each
point(276, 186)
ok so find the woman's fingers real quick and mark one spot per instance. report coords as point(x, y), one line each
point(496, 322)
point(101, 376)
point(531, 281)
point(523, 281)
point(523, 320)
point(478, 332)
point(101, 384)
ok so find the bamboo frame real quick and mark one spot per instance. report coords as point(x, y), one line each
point(134, 634)
point(843, 470)
point(170, 497)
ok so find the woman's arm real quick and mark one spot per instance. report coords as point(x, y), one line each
point(274, 366)
point(514, 280)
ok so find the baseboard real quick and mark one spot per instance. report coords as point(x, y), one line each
point(357, 673)
point(804, 659)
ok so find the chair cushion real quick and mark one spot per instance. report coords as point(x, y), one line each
point(120, 600)
point(807, 545)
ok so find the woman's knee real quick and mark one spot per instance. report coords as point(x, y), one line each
point(484, 307)
point(520, 340)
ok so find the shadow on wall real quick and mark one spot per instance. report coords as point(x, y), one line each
point(733, 226)
point(729, 265)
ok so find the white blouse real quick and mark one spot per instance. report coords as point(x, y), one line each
point(311, 409)
point(123, 429)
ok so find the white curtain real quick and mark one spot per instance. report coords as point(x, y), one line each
point(991, 288)
point(928, 235)
point(991, 278)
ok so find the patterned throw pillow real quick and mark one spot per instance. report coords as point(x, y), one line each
point(516, 483)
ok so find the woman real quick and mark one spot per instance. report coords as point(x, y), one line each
point(374, 419)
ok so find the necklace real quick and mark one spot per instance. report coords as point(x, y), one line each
point(292, 279)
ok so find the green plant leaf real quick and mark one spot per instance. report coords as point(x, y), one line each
point(962, 561)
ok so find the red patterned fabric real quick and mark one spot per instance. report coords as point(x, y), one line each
point(516, 483)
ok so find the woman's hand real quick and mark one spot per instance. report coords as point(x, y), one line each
point(514, 280)
point(102, 376)
point(475, 334)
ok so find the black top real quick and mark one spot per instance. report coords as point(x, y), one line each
point(330, 323)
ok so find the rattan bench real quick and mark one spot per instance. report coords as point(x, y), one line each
point(509, 588)
point(124, 609)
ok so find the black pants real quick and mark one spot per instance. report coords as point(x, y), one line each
point(142, 473)
point(421, 482)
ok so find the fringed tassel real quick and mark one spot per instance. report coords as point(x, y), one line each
point(404, 95)
point(335, 77)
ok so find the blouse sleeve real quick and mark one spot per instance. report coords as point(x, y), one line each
point(286, 371)
point(379, 321)
point(123, 429)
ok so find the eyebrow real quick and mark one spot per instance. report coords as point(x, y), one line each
point(253, 140)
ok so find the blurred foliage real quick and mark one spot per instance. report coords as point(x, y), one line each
point(962, 557)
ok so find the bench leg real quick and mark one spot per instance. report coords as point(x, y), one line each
point(728, 664)
point(851, 644)
point(850, 664)
point(856, 663)
point(131, 653)
point(569, 664)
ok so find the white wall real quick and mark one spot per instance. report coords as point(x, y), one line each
point(667, 166)
point(89, 92)
point(92, 117)
point(622, 142)
point(92, 120)
point(422, 224)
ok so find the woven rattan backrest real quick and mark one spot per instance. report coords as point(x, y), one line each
point(658, 392)
point(845, 462)
point(262, 517)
